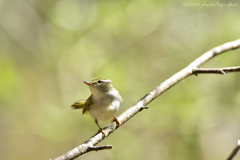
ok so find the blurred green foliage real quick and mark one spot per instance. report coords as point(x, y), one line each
point(49, 47)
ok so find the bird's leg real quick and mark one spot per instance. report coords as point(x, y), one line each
point(115, 119)
point(100, 129)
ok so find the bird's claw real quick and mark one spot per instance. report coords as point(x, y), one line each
point(104, 132)
point(115, 119)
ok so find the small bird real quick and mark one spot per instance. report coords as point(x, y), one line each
point(103, 103)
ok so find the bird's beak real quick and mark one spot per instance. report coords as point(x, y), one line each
point(87, 82)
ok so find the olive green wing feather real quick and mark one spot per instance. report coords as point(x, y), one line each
point(79, 104)
point(88, 105)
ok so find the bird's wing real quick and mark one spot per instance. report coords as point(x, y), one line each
point(79, 104)
point(88, 105)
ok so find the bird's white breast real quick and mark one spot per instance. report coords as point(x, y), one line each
point(105, 106)
point(104, 110)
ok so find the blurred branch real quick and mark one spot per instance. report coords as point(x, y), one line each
point(142, 103)
point(98, 148)
point(216, 70)
point(234, 152)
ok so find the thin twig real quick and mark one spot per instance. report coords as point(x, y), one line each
point(161, 88)
point(98, 148)
point(197, 71)
point(234, 152)
point(143, 107)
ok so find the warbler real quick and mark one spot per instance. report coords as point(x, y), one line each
point(103, 103)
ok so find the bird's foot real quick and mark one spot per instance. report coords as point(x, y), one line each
point(115, 119)
point(104, 132)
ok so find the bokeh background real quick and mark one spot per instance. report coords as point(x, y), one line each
point(48, 48)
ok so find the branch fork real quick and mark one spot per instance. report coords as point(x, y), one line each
point(197, 71)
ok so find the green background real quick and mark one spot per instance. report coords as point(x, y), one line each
point(48, 48)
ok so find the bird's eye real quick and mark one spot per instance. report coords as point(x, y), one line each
point(99, 81)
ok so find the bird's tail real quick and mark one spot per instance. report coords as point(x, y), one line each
point(79, 104)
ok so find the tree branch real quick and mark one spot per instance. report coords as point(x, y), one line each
point(141, 104)
point(216, 70)
point(234, 152)
point(98, 148)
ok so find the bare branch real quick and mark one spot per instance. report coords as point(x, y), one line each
point(98, 148)
point(137, 107)
point(143, 107)
point(216, 70)
point(234, 152)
